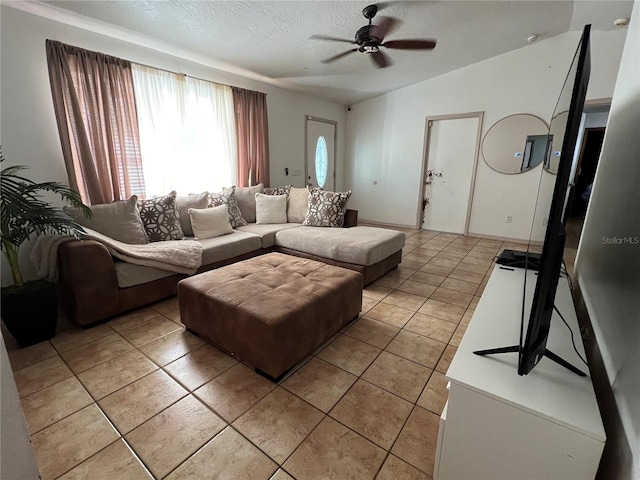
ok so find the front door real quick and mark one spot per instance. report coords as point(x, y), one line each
point(321, 153)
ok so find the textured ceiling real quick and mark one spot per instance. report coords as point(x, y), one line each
point(271, 38)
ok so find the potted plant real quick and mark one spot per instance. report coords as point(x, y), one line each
point(29, 308)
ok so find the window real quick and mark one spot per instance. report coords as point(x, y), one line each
point(187, 132)
point(322, 161)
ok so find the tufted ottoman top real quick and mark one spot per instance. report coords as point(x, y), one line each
point(270, 310)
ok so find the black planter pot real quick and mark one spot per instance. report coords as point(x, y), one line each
point(30, 311)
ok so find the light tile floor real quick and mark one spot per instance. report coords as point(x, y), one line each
point(139, 397)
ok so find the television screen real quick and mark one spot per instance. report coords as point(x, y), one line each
point(572, 99)
point(564, 126)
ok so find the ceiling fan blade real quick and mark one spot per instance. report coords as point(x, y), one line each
point(411, 44)
point(331, 39)
point(380, 59)
point(340, 55)
point(384, 27)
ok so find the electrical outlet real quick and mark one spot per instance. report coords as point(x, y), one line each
point(509, 219)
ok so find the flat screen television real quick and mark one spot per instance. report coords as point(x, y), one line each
point(532, 348)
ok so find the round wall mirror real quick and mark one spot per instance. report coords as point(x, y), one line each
point(556, 131)
point(516, 143)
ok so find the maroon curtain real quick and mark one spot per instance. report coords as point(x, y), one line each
point(97, 121)
point(252, 133)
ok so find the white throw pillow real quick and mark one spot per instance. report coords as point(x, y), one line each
point(210, 222)
point(271, 208)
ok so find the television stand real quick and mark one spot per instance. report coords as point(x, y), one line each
point(547, 353)
point(498, 424)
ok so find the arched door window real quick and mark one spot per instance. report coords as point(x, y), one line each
point(322, 161)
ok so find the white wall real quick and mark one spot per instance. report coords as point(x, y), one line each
point(18, 456)
point(607, 265)
point(29, 133)
point(385, 135)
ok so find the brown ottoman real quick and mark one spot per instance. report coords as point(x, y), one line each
point(272, 310)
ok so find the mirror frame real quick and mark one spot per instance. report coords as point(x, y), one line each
point(543, 131)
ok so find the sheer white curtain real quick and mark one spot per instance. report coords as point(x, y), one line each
point(187, 132)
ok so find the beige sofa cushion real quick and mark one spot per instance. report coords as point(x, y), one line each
point(267, 232)
point(200, 200)
point(221, 248)
point(298, 204)
point(119, 220)
point(357, 245)
point(246, 197)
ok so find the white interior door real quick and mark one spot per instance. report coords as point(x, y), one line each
point(450, 167)
point(321, 153)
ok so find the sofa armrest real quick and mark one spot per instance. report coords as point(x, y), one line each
point(87, 281)
point(350, 218)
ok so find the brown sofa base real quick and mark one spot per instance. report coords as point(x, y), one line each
point(88, 287)
point(369, 273)
point(270, 311)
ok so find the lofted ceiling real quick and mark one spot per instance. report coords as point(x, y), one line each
point(271, 39)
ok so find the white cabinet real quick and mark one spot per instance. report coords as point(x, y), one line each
point(499, 425)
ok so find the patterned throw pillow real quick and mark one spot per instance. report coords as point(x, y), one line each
point(326, 209)
point(160, 218)
point(278, 190)
point(227, 197)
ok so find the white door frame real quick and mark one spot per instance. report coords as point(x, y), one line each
point(425, 162)
point(307, 118)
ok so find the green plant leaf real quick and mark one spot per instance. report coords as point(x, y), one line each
point(24, 213)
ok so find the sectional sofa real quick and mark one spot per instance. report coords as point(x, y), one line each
point(94, 286)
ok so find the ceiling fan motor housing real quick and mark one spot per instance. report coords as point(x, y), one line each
point(368, 43)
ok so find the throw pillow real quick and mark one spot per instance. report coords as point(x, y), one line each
point(278, 190)
point(271, 208)
point(326, 209)
point(210, 222)
point(119, 220)
point(246, 197)
point(227, 197)
point(298, 205)
point(160, 218)
point(183, 204)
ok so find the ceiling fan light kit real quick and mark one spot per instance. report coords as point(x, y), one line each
point(370, 38)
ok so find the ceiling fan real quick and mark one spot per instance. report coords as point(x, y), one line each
point(371, 37)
